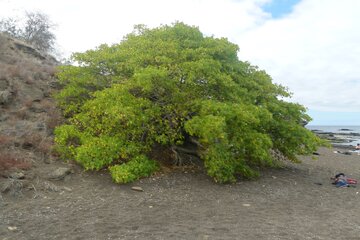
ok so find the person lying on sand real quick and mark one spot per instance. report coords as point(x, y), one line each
point(357, 148)
point(340, 180)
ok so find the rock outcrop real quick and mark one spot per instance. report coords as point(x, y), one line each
point(28, 114)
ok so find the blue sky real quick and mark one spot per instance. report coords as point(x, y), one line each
point(334, 118)
point(280, 8)
point(310, 46)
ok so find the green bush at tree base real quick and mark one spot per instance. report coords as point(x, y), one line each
point(140, 166)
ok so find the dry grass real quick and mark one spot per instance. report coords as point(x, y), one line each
point(22, 114)
point(45, 147)
point(54, 119)
point(31, 140)
point(27, 70)
point(49, 69)
point(28, 79)
point(25, 77)
point(13, 71)
point(3, 44)
point(46, 104)
point(4, 74)
point(28, 103)
point(6, 140)
point(9, 161)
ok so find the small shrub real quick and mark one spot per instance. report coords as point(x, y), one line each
point(22, 114)
point(29, 80)
point(13, 71)
point(4, 84)
point(136, 168)
point(47, 104)
point(51, 70)
point(6, 140)
point(9, 161)
point(45, 147)
point(26, 75)
point(28, 103)
point(31, 140)
point(15, 88)
point(54, 119)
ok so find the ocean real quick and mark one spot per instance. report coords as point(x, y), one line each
point(342, 130)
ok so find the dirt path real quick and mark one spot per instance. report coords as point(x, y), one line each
point(293, 203)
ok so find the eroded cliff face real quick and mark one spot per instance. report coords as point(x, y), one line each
point(28, 114)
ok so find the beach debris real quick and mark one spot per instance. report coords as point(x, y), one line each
point(138, 189)
point(246, 204)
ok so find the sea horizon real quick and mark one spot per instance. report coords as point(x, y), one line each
point(339, 129)
point(335, 128)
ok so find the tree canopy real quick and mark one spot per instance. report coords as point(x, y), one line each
point(172, 88)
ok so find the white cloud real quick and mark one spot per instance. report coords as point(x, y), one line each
point(84, 24)
point(314, 50)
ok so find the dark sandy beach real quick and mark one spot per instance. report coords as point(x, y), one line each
point(294, 202)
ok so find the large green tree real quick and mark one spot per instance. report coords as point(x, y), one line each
point(173, 89)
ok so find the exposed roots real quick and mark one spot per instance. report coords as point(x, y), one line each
point(182, 153)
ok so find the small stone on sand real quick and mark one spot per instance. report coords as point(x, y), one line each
point(12, 228)
point(139, 189)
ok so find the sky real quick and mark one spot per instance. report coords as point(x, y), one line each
point(310, 46)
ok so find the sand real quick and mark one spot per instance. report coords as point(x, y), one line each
point(295, 202)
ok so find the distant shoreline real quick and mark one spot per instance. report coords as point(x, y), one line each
point(345, 137)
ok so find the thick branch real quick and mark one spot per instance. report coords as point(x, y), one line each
point(196, 142)
point(185, 150)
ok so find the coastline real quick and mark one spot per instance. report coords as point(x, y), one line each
point(339, 137)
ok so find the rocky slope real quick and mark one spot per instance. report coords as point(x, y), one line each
point(27, 113)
